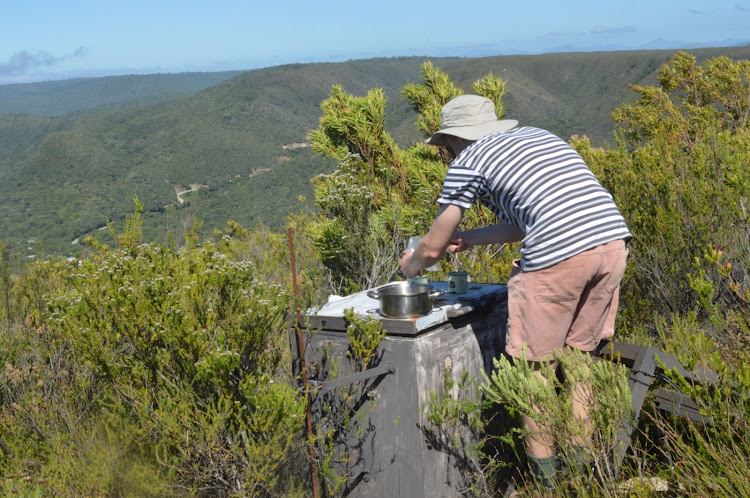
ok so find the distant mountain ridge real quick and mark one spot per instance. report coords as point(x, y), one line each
point(64, 177)
point(55, 98)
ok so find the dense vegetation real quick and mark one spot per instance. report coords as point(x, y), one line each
point(162, 369)
point(64, 177)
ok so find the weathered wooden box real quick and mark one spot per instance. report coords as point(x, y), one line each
point(389, 449)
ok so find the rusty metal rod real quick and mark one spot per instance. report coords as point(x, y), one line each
point(303, 367)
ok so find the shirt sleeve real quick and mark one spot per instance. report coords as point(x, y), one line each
point(462, 186)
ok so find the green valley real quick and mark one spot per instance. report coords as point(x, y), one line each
point(64, 176)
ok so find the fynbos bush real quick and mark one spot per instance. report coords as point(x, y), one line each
point(169, 359)
point(547, 399)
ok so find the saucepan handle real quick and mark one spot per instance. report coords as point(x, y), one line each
point(437, 293)
point(373, 294)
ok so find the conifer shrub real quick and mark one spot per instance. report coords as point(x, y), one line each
point(380, 195)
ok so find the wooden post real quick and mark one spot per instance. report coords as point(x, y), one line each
point(303, 369)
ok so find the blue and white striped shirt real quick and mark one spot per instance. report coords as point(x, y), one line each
point(537, 182)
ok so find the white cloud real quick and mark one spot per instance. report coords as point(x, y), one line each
point(22, 61)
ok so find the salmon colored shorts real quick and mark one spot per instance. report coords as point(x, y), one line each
point(572, 303)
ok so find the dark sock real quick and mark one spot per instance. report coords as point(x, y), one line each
point(542, 470)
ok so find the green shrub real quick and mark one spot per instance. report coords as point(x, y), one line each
point(679, 176)
point(547, 399)
point(150, 361)
point(711, 457)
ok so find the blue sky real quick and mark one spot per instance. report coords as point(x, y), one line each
point(46, 39)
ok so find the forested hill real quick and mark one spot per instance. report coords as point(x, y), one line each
point(55, 98)
point(241, 143)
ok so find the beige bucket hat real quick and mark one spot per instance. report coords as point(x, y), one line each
point(470, 117)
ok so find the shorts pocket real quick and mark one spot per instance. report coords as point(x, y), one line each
point(560, 283)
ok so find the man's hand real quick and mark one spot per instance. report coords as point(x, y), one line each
point(458, 243)
point(403, 263)
point(433, 245)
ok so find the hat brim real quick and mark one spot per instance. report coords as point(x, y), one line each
point(473, 132)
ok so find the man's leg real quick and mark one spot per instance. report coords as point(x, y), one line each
point(540, 444)
point(541, 306)
point(582, 400)
point(581, 443)
point(594, 321)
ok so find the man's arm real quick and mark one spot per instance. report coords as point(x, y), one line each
point(499, 233)
point(433, 245)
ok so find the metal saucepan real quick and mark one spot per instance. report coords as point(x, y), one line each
point(404, 299)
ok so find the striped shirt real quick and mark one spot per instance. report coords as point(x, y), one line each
point(537, 182)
